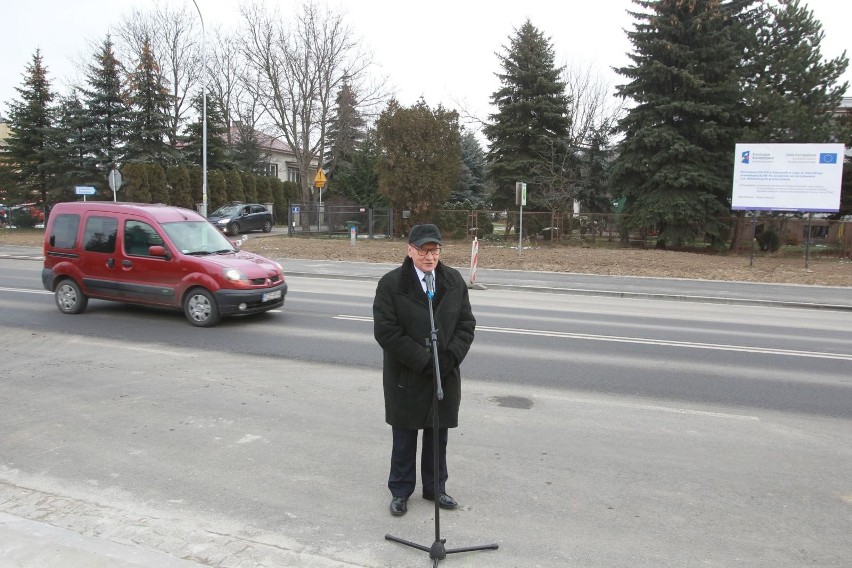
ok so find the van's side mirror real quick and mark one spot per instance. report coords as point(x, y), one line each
point(158, 250)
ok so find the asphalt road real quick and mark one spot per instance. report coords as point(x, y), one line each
point(597, 430)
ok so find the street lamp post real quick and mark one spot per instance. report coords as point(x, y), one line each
point(203, 113)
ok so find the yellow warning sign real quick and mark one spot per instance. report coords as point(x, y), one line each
point(320, 179)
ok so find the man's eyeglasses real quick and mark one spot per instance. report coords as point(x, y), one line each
point(435, 252)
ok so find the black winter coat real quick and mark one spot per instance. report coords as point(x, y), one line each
point(402, 328)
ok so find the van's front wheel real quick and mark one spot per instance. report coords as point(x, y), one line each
point(200, 308)
point(69, 298)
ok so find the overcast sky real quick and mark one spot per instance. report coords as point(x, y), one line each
point(443, 50)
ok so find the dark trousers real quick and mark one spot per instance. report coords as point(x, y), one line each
point(403, 473)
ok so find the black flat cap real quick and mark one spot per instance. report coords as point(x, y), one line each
point(422, 234)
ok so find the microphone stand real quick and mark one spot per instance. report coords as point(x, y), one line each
point(437, 551)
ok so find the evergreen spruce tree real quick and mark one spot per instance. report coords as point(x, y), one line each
point(674, 164)
point(594, 186)
point(356, 178)
point(27, 158)
point(347, 128)
point(106, 134)
point(532, 113)
point(148, 123)
point(246, 151)
point(792, 92)
point(471, 186)
point(69, 156)
point(218, 156)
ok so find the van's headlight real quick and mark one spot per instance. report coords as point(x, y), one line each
point(234, 275)
point(222, 222)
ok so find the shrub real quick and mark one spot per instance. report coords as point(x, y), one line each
point(769, 240)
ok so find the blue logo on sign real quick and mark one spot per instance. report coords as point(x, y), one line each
point(745, 156)
point(827, 158)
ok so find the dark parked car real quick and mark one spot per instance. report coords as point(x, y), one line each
point(239, 218)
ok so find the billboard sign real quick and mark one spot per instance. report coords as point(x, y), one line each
point(787, 177)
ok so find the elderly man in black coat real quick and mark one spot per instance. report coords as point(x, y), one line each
point(402, 328)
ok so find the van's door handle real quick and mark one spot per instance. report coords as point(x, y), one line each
point(110, 263)
point(126, 264)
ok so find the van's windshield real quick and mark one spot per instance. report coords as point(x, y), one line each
point(197, 237)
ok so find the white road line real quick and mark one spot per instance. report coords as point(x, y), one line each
point(643, 341)
point(24, 290)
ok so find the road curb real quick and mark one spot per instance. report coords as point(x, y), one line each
point(606, 293)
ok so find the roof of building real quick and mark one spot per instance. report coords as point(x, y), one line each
point(266, 141)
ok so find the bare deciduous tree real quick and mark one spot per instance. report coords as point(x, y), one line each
point(228, 78)
point(174, 33)
point(570, 170)
point(593, 107)
point(300, 68)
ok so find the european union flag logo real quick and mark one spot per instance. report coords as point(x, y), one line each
point(827, 158)
point(745, 156)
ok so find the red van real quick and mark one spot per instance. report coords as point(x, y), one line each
point(154, 255)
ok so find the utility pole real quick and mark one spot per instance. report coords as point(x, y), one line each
point(203, 113)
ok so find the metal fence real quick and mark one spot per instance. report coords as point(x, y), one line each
point(742, 234)
point(314, 219)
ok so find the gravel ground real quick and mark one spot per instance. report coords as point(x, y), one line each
point(552, 258)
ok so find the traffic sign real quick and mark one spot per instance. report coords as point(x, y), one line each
point(84, 190)
point(114, 179)
point(320, 179)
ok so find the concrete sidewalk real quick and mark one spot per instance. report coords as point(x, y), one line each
point(230, 467)
point(32, 544)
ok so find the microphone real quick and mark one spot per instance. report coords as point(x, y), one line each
point(430, 284)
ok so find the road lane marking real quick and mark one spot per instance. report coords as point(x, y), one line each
point(24, 290)
point(644, 341)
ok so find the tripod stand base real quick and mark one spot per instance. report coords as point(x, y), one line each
point(437, 551)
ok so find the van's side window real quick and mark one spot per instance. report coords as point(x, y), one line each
point(64, 232)
point(100, 234)
point(138, 236)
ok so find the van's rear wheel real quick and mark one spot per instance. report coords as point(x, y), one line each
point(200, 308)
point(234, 229)
point(69, 298)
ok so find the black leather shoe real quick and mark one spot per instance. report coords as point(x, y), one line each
point(444, 501)
point(399, 506)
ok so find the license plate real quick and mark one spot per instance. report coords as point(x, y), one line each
point(271, 296)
